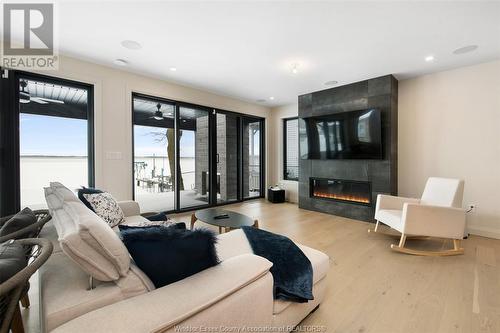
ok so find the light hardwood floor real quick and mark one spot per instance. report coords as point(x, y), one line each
point(373, 289)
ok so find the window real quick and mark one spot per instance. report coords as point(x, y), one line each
point(291, 149)
point(55, 137)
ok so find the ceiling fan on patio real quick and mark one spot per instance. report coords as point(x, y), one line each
point(158, 115)
point(25, 97)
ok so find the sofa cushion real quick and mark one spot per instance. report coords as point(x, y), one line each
point(21, 220)
point(90, 261)
point(391, 217)
point(234, 284)
point(62, 192)
point(134, 221)
point(319, 261)
point(65, 293)
point(95, 232)
point(86, 238)
point(167, 255)
point(234, 243)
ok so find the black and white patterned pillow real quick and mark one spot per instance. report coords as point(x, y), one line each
point(106, 207)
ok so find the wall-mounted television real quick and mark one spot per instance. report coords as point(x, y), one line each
point(346, 135)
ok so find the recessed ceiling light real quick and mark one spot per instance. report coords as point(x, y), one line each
point(261, 101)
point(131, 45)
point(429, 58)
point(271, 98)
point(121, 62)
point(295, 68)
point(465, 49)
point(173, 69)
point(331, 83)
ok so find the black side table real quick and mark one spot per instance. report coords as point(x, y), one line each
point(276, 196)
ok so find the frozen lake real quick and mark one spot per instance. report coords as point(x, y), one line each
point(38, 171)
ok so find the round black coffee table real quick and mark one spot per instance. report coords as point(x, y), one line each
point(233, 221)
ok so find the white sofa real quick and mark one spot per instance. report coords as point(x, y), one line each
point(237, 292)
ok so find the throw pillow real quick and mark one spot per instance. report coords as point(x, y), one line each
point(167, 255)
point(21, 220)
point(12, 260)
point(106, 207)
point(158, 217)
point(85, 190)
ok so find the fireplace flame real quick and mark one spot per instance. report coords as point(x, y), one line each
point(344, 197)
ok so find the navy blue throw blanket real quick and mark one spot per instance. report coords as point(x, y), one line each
point(292, 271)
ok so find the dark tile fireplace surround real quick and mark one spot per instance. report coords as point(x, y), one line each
point(349, 188)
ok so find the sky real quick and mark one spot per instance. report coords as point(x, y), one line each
point(44, 135)
point(55, 136)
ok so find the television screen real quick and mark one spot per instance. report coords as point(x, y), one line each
point(347, 135)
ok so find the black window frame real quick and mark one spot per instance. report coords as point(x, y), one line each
point(285, 144)
point(10, 187)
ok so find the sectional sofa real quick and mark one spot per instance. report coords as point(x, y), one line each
point(90, 284)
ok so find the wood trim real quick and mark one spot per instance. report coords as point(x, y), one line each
point(25, 301)
point(193, 220)
point(405, 250)
point(17, 321)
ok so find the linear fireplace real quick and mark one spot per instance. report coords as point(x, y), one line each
point(350, 191)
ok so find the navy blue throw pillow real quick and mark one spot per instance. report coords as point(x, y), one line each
point(157, 217)
point(167, 255)
point(85, 190)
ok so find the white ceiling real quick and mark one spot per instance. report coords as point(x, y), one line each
point(246, 49)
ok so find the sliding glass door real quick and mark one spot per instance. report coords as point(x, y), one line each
point(194, 157)
point(154, 154)
point(188, 156)
point(252, 158)
point(227, 145)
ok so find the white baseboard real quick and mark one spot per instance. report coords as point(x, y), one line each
point(484, 231)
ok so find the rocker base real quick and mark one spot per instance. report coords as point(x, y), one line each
point(406, 250)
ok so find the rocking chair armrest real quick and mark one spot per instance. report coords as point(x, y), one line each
point(385, 201)
point(433, 221)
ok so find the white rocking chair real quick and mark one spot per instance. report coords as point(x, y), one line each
point(438, 214)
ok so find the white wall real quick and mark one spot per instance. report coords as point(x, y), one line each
point(276, 151)
point(449, 126)
point(113, 120)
